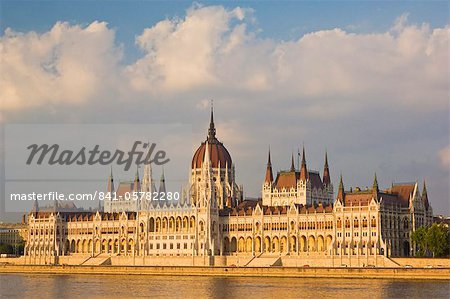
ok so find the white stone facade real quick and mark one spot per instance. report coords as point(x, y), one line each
point(215, 221)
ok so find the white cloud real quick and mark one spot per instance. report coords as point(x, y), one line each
point(211, 47)
point(400, 23)
point(366, 97)
point(180, 53)
point(68, 64)
point(207, 49)
point(444, 156)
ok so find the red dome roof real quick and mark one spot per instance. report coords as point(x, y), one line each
point(218, 154)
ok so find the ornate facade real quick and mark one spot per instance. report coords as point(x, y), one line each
point(298, 187)
point(296, 217)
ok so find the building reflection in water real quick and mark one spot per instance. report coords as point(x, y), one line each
point(119, 286)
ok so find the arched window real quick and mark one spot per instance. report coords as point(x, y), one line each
point(152, 224)
point(405, 223)
point(373, 222)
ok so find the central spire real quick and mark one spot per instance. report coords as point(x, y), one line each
point(212, 128)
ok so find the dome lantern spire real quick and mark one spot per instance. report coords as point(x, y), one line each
point(218, 154)
point(212, 128)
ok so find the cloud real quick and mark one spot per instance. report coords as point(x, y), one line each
point(180, 54)
point(444, 156)
point(68, 64)
point(375, 100)
point(212, 48)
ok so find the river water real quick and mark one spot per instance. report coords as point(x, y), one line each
point(133, 286)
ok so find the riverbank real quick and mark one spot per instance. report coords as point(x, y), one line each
point(292, 272)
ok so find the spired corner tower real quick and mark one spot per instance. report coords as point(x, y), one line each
point(304, 187)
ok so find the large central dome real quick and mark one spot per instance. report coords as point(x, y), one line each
point(218, 154)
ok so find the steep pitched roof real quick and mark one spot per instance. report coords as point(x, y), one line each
point(316, 181)
point(286, 179)
point(403, 192)
point(362, 198)
point(124, 187)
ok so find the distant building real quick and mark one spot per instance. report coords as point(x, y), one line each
point(14, 236)
point(441, 219)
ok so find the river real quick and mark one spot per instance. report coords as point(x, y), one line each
point(133, 286)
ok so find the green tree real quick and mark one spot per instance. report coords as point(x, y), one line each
point(419, 238)
point(437, 238)
point(6, 248)
point(20, 249)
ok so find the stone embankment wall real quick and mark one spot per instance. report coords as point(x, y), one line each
point(397, 273)
point(423, 262)
point(234, 261)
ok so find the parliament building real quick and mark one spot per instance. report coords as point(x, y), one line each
point(298, 221)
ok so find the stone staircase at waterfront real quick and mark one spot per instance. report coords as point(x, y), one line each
point(98, 260)
point(265, 260)
point(388, 262)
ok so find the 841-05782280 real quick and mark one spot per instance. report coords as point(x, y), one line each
point(140, 195)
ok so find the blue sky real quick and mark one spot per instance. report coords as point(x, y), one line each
point(367, 80)
point(280, 21)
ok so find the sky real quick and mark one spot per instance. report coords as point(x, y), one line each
point(366, 81)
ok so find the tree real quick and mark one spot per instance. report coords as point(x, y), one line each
point(419, 238)
point(437, 238)
point(20, 249)
point(6, 248)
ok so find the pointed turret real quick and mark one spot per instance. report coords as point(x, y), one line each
point(292, 163)
point(55, 206)
point(110, 182)
point(35, 209)
point(375, 183)
point(303, 169)
point(375, 189)
point(147, 179)
point(269, 173)
point(146, 186)
point(162, 184)
point(110, 192)
point(136, 184)
point(425, 196)
point(326, 171)
point(212, 128)
point(341, 192)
